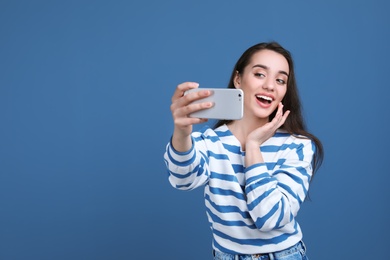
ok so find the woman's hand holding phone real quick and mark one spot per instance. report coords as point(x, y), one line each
point(182, 106)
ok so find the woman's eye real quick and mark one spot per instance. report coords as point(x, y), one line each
point(261, 75)
point(281, 81)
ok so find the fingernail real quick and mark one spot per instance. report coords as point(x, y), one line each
point(207, 92)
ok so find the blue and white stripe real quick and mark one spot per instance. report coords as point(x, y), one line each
point(250, 209)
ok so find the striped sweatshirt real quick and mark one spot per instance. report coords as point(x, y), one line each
point(250, 209)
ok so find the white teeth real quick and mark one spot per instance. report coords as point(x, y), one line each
point(264, 97)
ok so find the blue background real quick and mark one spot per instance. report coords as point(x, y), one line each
point(85, 89)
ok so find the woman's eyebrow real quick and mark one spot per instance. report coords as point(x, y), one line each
point(267, 68)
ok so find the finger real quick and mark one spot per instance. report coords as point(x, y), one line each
point(285, 115)
point(280, 109)
point(182, 88)
point(283, 118)
point(278, 116)
point(185, 111)
point(278, 119)
point(196, 95)
point(193, 107)
point(187, 101)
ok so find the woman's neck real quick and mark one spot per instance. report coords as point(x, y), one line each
point(242, 128)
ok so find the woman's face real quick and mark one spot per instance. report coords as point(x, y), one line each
point(264, 83)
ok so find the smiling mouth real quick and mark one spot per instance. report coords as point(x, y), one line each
point(264, 99)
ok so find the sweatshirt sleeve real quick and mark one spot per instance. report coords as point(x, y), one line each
point(187, 170)
point(274, 196)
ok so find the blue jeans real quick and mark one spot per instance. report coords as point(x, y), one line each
point(296, 252)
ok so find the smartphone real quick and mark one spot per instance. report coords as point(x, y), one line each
point(228, 104)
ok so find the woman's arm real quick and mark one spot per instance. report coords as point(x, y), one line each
point(188, 170)
point(186, 163)
point(274, 198)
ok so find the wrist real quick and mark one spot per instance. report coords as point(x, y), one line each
point(253, 154)
point(181, 140)
point(252, 146)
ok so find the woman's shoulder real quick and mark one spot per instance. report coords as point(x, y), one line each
point(299, 146)
point(282, 136)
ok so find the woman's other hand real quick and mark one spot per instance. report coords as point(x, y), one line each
point(262, 134)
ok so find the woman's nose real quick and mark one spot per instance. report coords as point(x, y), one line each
point(269, 84)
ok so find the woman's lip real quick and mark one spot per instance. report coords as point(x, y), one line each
point(263, 105)
point(266, 95)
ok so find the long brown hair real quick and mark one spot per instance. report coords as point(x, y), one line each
point(294, 123)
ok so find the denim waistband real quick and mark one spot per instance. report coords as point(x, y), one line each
point(300, 246)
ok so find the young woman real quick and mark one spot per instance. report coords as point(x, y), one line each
point(256, 171)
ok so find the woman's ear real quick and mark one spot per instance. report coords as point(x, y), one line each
point(237, 80)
